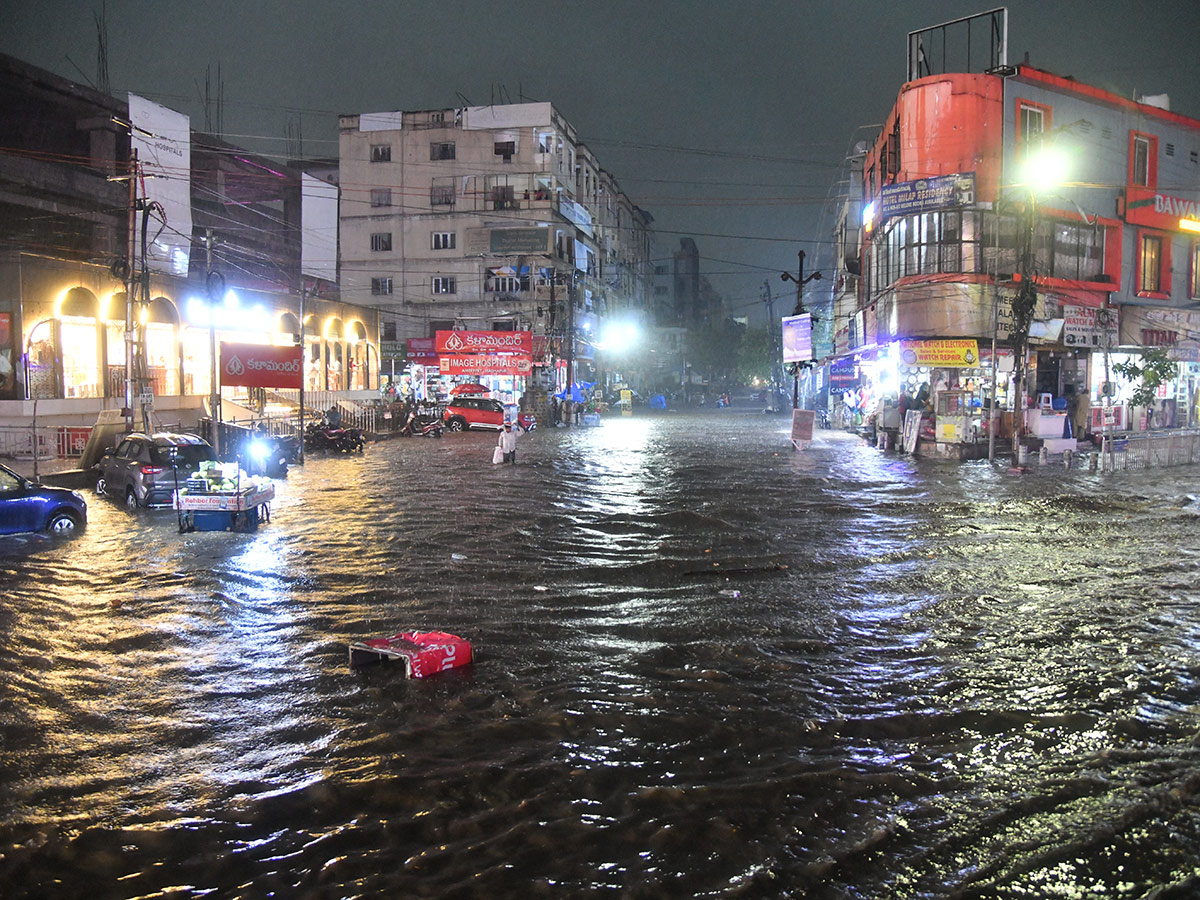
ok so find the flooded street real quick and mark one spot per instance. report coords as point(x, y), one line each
point(706, 665)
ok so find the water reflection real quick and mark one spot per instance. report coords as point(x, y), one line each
point(706, 665)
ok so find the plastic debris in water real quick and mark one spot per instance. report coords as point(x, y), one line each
point(730, 593)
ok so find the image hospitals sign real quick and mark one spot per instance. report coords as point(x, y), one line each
point(260, 366)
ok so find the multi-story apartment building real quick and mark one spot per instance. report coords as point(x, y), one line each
point(961, 209)
point(488, 218)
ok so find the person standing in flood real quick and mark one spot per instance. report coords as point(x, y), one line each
point(508, 443)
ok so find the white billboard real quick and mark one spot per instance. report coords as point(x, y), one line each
point(318, 228)
point(797, 338)
point(162, 139)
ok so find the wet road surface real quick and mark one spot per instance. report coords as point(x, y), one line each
point(705, 666)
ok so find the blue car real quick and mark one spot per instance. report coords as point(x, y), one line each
point(29, 506)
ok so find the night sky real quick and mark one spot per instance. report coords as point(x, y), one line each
point(728, 121)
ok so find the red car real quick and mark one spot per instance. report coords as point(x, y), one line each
point(473, 412)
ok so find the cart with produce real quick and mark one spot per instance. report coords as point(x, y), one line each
point(221, 497)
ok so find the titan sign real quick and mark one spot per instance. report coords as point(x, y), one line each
point(260, 365)
point(458, 342)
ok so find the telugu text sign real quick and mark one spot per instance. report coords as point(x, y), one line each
point(260, 365)
point(459, 342)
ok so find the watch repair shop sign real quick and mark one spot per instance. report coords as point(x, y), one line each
point(954, 354)
point(260, 366)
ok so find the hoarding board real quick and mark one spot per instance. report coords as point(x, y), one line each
point(797, 338)
point(926, 194)
point(259, 365)
point(479, 364)
point(953, 353)
point(453, 342)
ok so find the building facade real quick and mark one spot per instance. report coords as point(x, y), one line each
point(981, 181)
point(488, 218)
point(87, 313)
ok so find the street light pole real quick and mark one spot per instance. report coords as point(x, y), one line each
point(800, 310)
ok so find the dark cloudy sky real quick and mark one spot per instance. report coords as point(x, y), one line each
point(726, 120)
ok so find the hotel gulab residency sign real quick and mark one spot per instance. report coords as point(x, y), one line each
point(1155, 209)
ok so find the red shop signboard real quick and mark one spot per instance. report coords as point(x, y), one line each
point(260, 365)
point(456, 342)
point(479, 364)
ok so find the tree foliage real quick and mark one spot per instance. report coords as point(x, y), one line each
point(754, 358)
point(1154, 371)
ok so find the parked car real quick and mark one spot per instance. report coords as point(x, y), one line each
point(30, 506)
point(473, 412)
point(144, 469)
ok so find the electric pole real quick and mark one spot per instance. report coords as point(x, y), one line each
point(799, 311)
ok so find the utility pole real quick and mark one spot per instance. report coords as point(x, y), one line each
point(303, 360)
point(799, 311)
point(210, 283)
point(130, 286)
point(571, 347)
point(773, 331)
point(1023, 305)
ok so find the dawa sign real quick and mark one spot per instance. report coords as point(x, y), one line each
point(1156, 209)
point(462, 342)
point(259, 365)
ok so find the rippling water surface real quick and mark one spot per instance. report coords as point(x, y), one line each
point(705, 666)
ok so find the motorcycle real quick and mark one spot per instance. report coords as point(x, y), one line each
point(266, 454)
point(320, 436)
point(419, 425)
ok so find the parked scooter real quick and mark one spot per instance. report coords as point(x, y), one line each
point(320, 436)
point(419, 425)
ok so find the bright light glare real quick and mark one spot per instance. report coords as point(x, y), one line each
point(618, 336)
point(1046, 168)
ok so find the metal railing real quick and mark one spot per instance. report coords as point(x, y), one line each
point(1151, 450)
point(50, 441)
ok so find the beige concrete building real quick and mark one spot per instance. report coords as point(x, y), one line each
point(487, 218)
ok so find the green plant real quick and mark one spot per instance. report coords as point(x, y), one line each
point(1155, 370)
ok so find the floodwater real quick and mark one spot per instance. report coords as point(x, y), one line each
point(706, 665)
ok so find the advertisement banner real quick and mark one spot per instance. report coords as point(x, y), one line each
point(259, 365)
point(1155, 209)
point(163, 141)
point(452, 342)
point(318, 228)
point(481, 364)
point(797, 338)
point(421, 350)
point(926, 194)
point(1086, 326)
point(953, 353)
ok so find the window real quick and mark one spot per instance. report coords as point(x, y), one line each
point(381, 241)
point(1194, 282)
point(1033, 121)
point(443, 284)
point(506, 149)
point(437, 118)
point(1143, 160)
point(381, 153)
point(1152, 263)
point(389, 331)
point(442, 150)
point(443, 240)
point(545, 141)
point(381, 286)
point(381, 197)
point(441, 195)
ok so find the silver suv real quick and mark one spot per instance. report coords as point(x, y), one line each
point(145, 468)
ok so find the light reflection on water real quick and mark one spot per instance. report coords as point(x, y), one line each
point(706, 664)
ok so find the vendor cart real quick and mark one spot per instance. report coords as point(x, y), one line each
point(237, 510)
